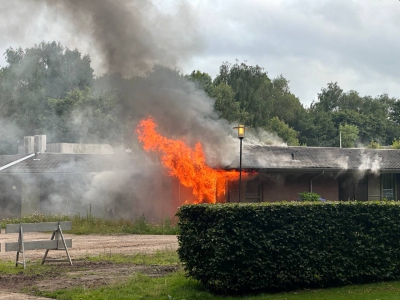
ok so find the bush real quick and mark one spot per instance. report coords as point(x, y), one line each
point(374, 145)
point(239, 248)
point(307, 196)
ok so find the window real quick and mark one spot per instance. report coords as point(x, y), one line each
point(252, 190)
point(388, 187)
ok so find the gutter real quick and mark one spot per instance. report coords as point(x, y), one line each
point(311, 180)
point(17, 161)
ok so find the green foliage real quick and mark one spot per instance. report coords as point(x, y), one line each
point(33, 79)
point(329, 98)
point(251, 87)
point(202, 80)
point(226, 105)
point(177, 287)
point(373, 145)
point(286, 106)
point(308, 196)
point(93, 225)
point(349, 135)
point(287, 134)
point(317, 128)
point(165, 257)
point(234, 248)
point(396, 144)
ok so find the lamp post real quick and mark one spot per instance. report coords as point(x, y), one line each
point(241, 130)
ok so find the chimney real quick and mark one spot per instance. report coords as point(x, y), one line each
point(29, 144)
point(40, 143)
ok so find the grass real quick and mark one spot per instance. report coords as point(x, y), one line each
point(156, 258)
point(165, 257)
point(176, 286)
point(93, 225)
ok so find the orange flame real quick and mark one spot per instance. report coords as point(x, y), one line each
point(187, 164)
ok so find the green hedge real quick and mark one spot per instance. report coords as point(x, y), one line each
point(240, 248)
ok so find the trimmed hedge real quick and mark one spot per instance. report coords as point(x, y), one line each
point(241, 248)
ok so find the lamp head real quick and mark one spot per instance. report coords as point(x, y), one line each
point(241, 131)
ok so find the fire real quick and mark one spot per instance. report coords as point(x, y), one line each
point(187, 164)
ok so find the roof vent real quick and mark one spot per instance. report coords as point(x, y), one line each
point(28, 144)
point(40, 143)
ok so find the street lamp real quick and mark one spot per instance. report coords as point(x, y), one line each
point(241, 130)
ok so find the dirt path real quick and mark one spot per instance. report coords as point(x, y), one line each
point(89, 245)
point(82, 246)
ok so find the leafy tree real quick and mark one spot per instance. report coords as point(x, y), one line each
point(202, 81)
point(286, 106)
point(349, 135)
point(317, 128)
point(82, 116)
point(252, 90)
point(34, 75)
point(329, 98)
point(48, 66)
point(287, 134)
point(350, 101)
point(226, 105)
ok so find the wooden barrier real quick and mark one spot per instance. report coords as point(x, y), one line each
point(56, 242)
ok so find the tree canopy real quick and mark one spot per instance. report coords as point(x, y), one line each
point(51, 89)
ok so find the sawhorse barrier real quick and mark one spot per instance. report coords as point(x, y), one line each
point(56, 242)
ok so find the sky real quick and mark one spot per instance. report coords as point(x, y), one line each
point(309, 42)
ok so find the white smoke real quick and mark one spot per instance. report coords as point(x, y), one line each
point(370, 162)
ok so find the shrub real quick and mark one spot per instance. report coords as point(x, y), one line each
point(374, 145)
point(396, 144)
point(239, 248)
point(307, 196)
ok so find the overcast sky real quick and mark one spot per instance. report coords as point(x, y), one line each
point(309, 42)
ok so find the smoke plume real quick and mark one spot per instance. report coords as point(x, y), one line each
point(130, 36)
point(139, 45)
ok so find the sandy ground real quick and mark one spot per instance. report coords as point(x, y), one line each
point(89, 245)
point(82, 246)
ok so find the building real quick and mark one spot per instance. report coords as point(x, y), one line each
point(281, 173)
point(81, 179)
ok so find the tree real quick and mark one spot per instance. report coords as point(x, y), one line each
point(32, 77)
point(82, 116)
point(287, 134)
point(317, 128)
point(285, 105)
point(349, 135)
point(48, 66)
point(329, 98)
point(202, 80)
point(252, 90)
point(226, 105)
point(350, 100)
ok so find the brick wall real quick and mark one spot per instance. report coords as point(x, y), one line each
point(327, 187)
point(279, 187)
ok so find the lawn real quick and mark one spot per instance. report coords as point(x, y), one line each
point(89, 224)
point(176, 285)
point(140, 285)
